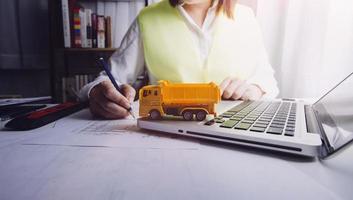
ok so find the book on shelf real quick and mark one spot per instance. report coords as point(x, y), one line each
point(77, 28)
point(108, 32)
point(89, 27)
point(73, 84)
point(66, 23)
point(100, 31)
point(82, 28)
point(94, 30)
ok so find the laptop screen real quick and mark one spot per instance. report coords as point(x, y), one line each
point(335, 112)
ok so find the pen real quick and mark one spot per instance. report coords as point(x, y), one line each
point(117, 87)
point(14, 111)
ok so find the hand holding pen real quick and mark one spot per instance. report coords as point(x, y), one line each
point(110, 100)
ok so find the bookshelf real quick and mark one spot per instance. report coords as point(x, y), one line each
point(146, 1)
point(72, 62)
point(83, 60)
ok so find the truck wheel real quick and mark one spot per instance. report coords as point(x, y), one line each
point(155, 114)
point(201, 115)
point(188, 115)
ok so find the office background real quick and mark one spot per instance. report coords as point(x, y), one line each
point(310, 43)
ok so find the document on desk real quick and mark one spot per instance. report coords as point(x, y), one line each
point(17, 101)
point(82, 131)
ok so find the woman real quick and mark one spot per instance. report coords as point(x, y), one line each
point(189, 41)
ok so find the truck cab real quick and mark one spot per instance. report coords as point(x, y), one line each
point(151, 101)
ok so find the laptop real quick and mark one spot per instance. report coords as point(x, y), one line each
point(291, 126)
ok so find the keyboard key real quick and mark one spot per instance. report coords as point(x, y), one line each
point(258, 129)
point(290, 129)
point(239, 115)
point(241, 106)
point(251, 118)
point(229, 124)
point(278, 122)
point(248, 121)
point(257, 112)
point(243, 126)
point(260, 125)
point(290, 126)
point(289, 133)
point(277, 131)
point(261, 122)
point(280, 119)
point(264, 120)
point(226, 116)
point(291, 120)
point(209, 123)
point(277, 126)
point(231, 112)
point(253, 114)
point(219, 120)
point(236, 118)
point(267, 116)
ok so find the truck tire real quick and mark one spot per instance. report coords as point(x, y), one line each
point(155, 114)
point(201, 115)
point(188, 115)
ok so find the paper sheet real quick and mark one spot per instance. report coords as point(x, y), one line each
point(8, 102)
point(109, 127)
point(62, 172)
point(89, 132)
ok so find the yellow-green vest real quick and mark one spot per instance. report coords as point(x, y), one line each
point(170, 53)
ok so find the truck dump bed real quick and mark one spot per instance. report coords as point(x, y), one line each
point(190, 93)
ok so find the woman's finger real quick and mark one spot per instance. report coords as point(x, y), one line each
point(111, 93)
point(239, 91)
point(98, 111)
point(232, 87)
point(129, 92)
point(252, 93)
point(225, 84)
point(111, 107)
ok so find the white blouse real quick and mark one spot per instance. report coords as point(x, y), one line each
point(128, 62)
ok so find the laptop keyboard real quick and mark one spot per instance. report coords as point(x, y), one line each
point(265, 117)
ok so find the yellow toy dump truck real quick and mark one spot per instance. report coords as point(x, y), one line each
point(179, 99)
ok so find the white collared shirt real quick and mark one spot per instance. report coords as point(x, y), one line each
point(128, 62)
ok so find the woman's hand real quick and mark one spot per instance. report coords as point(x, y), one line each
point(235, 89)
point(105, 101)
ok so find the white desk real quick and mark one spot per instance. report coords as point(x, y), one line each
point(67, 160)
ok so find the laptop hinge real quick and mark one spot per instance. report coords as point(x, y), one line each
point(313, 125)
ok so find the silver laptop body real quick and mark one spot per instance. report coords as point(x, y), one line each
point(291, 126)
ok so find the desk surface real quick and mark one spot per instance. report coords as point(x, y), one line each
point(81, 158)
